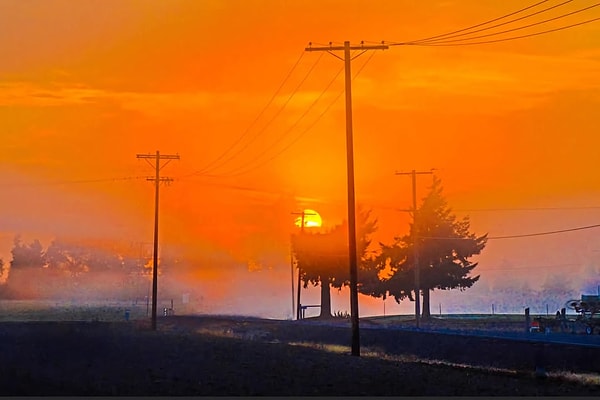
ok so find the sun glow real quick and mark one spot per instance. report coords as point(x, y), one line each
point(311, 219)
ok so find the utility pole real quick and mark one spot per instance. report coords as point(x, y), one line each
point(415, 243)
point(140, 265)
point(292, 277)
point(346, 48)
point(157, 180)
point(298, 310)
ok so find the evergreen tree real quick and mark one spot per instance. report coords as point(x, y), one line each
point(445, 245)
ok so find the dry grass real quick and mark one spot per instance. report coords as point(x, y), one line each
point(234, 356)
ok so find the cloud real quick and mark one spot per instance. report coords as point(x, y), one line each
point(29, 94)
point(486, 81)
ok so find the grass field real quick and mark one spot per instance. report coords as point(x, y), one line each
point(56, 310)
point(90, 349)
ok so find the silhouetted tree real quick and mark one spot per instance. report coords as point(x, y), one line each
point(388, 274)
point(69, 258)
point(323, 257)
point(26, 266)
point(444, 248)
point(96, 269)
point(27, 255)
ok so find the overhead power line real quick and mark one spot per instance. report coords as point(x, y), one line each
point(545, 233)
point(480, 24)
point(257, 118)
point(253, 165)
point(515, 29)
point(250, 167)
point(72, 182)
point(241, 170)
point(272, 119)
point(446, 39)
point(519, 236)
point(527, 209)
point(515, 37)
point(527, 267)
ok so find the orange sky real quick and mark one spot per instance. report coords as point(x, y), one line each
point(87, 85)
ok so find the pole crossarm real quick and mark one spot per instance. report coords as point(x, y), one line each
point(161, 179)
point(330, 49)
point(161, 156)
point(415, 172)
point(350, 47)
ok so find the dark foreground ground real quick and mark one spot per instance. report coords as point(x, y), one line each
point(210, 355)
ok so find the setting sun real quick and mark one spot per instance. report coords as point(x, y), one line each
point(312, 219)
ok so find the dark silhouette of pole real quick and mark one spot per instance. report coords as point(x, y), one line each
point(303, 214)
point(414, 173)
point(292, 277)
point(157, 180)
point(350, 173)
point(139, 265)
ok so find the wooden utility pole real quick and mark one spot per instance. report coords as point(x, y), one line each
point(346, 48)
point(414, 173)
point(303, 214)
point(157, 180)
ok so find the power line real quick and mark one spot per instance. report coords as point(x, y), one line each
point(509, 38)
point(273, 118)
point(247, 168)
point(525, 268)
point(440, 40)
point(260, 114)
point(510, 30)
point(518, 236)
point(528, 209)
point(71, 182)
point(544, 233)
point(290, 144)
point(449, 36)
point(477, 25)
point(315, 121)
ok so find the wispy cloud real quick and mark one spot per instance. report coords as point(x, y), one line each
point(28, 94)
point(505, 81)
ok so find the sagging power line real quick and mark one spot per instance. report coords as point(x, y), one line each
point(463, 32)
point(257, 163)
point(579, 228)
point(250, 167)
point(444, 39)
point(268, 123)
point(73, 182)
point(260, 114)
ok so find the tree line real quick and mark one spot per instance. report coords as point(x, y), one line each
point(72, 269)
point(444, 249)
